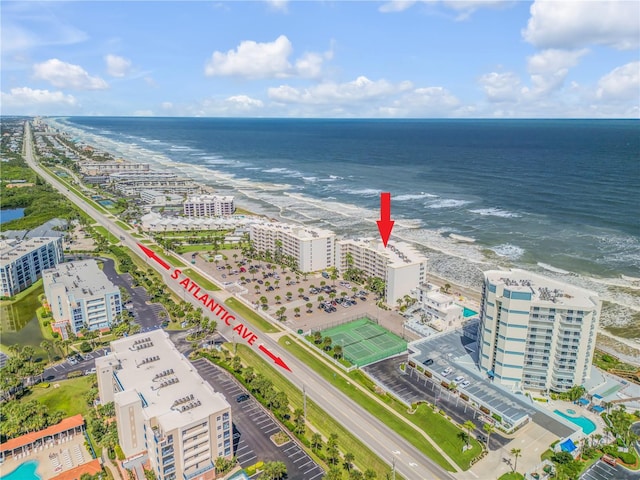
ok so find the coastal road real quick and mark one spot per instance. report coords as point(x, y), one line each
point(384, 442)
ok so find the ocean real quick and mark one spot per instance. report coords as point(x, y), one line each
point(561, 197)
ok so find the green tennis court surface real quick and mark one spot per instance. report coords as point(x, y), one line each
point(363, 342)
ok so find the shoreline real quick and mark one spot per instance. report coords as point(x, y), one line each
point(465, 276)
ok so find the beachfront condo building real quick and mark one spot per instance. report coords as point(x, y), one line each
point(439, 309)
point(22, 262)
point(208, 206)
point(100, 168)
point(164, 408)
point(536, 333)
point(81, 295)
point(400, 266)
point(311, 248)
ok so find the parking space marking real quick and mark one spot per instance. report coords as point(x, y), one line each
point(321, 473)
point(271, 430)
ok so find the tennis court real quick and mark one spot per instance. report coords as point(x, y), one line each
point(364, 342)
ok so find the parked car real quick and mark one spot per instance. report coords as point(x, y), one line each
point(446, 372)
point(428, 361)
point(459, 379)
point(465, 384)
point(242, 398)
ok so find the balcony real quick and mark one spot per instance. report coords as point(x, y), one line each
point(195, 473)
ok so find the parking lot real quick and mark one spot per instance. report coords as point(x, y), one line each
point(603, 471)
point(252, 427)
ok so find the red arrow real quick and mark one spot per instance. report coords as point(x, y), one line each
point(385, 224)
point(273, 357)
point(151, 254)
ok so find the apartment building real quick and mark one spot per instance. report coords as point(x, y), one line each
point(81, 294)
point(153, 197)
point(400, 266)
point(100, 168)
point(208, 206)
point(164, 408)
point(536, 333)
point(312, 248)
point(22, 262)
point(438, 308)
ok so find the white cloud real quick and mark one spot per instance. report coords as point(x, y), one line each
point(501, 87)
point(244, 102)
point(66, 75)
point(423, 102)
point(550, 67)
point(117, 66)
point(464, 8)
point(359, 90)
point(26, 100)
point(622, 83)
point(280, 5)
point(253, 60)
point(166, 105)
point(396, 6)
point(569, 25)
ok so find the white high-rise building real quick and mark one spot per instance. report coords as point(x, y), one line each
point(164, 407)
point(399, 265)
point(536, 333)
point(22, 262)
point(81, 294)
point(312, 248)
point(208, 206)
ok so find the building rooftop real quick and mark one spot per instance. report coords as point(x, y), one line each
point(12, 249)
point(542, 289)
point(304, 233)
point(153, 370)
point(399, 254)
point(209, 198)
point(81, 279)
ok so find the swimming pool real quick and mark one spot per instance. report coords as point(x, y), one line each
point(588, 427)
point(26, 471)
point(467, 312)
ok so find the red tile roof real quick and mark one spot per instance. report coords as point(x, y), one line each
point(28, 438)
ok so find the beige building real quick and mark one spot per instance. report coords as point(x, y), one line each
point(536, 333)
point(208, 206)
point(398, 264)
point(164, 408)
point(312, 248)
point(99, 168)
point(438, 308)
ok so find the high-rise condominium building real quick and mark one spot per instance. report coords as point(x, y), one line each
point(398, 264)
point(81, 294)
point(312, 248)
point(164, 408)
point(22, 263)
point(536, 333)
point(208, 206)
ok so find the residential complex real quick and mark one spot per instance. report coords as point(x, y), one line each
point(439, 310)
point(398, 264)
point(98, 168)
point(536, 333)
point(22, 263)
point(80, 294)
point(312, 248)
point(208, 206)
point(153, 197)
point(164, 408)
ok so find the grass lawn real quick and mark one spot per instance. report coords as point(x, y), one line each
point(364, 458)
point(200, 280)
point(111, 238)
point(253, 318)
point(137, 235)
point(169, 258)
point(67, 398)
point(512, 476)
point(443, 432)
point(123, 225)
point(63, 180)
point(47, 333)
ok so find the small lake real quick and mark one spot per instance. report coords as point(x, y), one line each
point(8, 214)
point(19, 322)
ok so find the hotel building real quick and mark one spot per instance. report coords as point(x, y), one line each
point(81, 294)
point(208, 206)
point(22, 263)
point(536, 333)
point(399, 265)
point(312, 248)
point(164, 408)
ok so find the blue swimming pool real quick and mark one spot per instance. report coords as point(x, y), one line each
point(467, 312)
point(588, 427)
point(26, 471)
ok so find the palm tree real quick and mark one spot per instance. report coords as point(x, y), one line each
point(356, 475)
point(274, 470)
point(337, 351)
point(516, 452)
point(327, 343)
point(464, 436)
point(469, 426)
point(487, 427)
point(309, 305)
point(297, 311)
point(348, 461)
point(316, 441)
point(370, 474)
point(47, 346)
point(299, 421)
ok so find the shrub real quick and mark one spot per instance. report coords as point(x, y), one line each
point(85, 347)
point(75, 374)
point(497, 417)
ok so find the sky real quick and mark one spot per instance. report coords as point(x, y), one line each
point(332, 59)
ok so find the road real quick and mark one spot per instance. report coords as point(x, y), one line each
point(384, 442)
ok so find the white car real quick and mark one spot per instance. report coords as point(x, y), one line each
point(465, 384)
point(446, 372)
point(459, 379)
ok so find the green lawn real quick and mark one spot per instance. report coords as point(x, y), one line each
point(111, 238)
point(200, 280)
point(123, 225)
point(19, 296)
point(512, 476)
point(326, 425)
point(67, 398)
point(253, 318)
point(443, 432)
point(62, 179)
point(137, 235)
point(169, 258)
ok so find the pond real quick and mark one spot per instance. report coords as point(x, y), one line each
point(19, 322)
point(8, 214)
